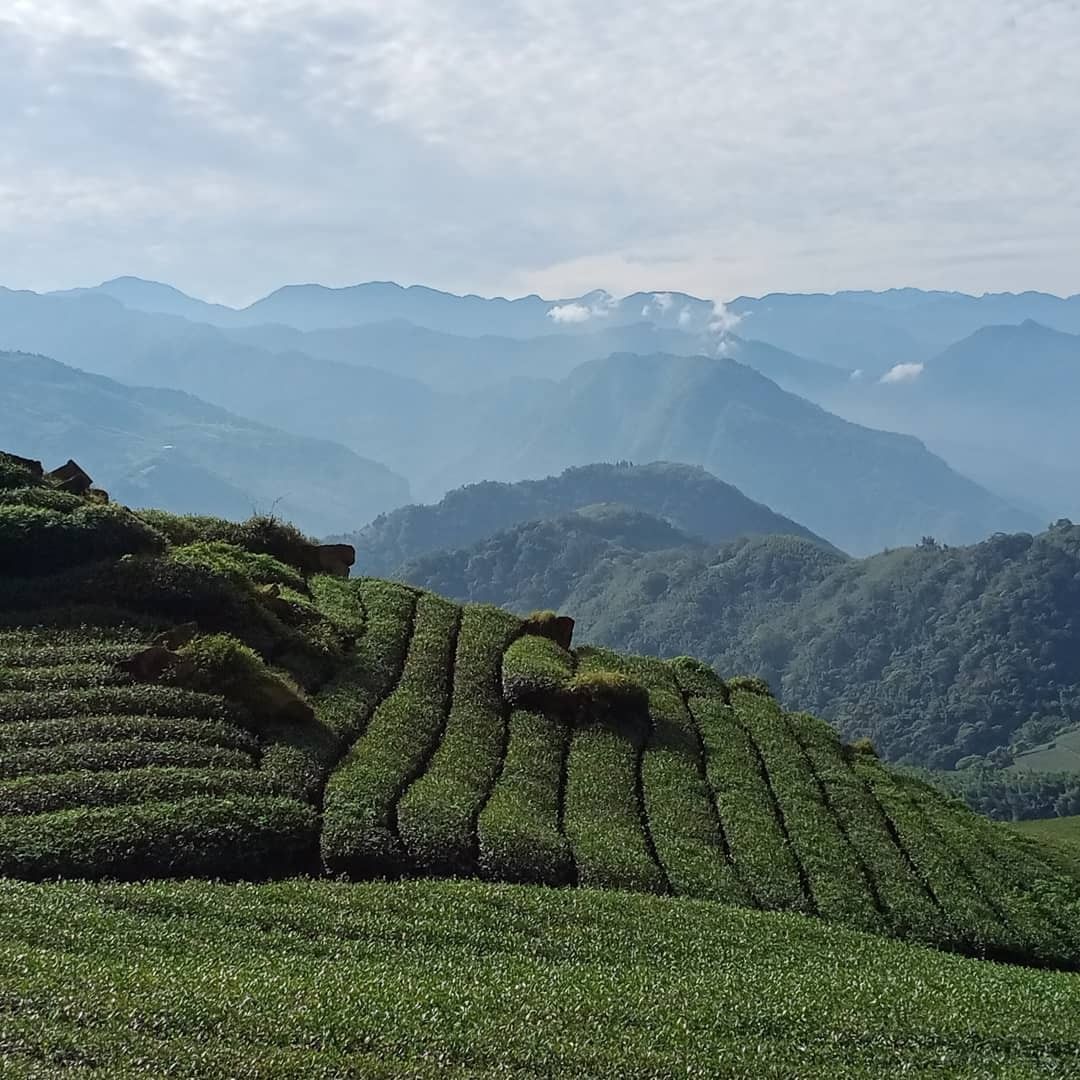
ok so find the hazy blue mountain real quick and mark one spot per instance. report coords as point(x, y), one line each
point(862, 489)
point(873, 332)
point(367, 409)
point(999, 405)
point(456, 364)
point(687, 498)
point(154, 296)
point(864, 330)
point(444, 410)
point(170, 449)
point(1024, 367)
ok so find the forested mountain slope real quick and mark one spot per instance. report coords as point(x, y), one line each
point(937, 653)
point(188, 697)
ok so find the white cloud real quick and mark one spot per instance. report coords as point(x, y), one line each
point(685, 316)
point(570, 313)
point(723, 321)
point(345, 139)
point(902, 373)
point(600, 304)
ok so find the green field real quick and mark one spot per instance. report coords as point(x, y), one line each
point(316, 979)
point(1060, 755)
point(1055, 829)
point(1061, 835)
point(292, 722)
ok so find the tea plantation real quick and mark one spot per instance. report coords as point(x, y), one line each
point(317, 979)
point(186, 697)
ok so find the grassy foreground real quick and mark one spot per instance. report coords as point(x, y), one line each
point(319, 979)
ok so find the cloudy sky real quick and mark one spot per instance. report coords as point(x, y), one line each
point(513, 146)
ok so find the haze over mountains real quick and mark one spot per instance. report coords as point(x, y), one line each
point(447, 390)
point(162, 447)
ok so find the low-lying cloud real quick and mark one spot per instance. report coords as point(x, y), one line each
point(903, 373)
point(570, 313)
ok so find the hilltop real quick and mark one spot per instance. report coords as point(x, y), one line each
point(188, 697)
point(690, 499)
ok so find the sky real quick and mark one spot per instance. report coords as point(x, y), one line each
point(518, 146)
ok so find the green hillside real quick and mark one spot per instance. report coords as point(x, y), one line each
point(462, 979)
point(938, 654)
point(186, 697)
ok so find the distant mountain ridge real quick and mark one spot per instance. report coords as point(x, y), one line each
point(861, 489)
point(854, 329)
point(999, 404)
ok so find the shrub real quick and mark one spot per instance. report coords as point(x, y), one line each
point(69, 676)
point(359, 834)
point(683, 821)
point(437, 815)
point(838, 883)
point(111, 728)
point(122, 754)
point(535, 670)
point(219, 664)
point(519, 831)
point(549, 624)
point(178, 590)
point(696, 677)
point(747, 808)
point(45, 498)
point(261, 535)
point(82, 789)
point(861, 746)
point(35, 540)
point(604, 817)
point(13, 474)
point(341, 601)
point(606, 696)
point(234, 561)
point(147, 700)
point(751, 684)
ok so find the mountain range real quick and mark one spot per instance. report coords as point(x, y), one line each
point(380, 391)
point(854, 329)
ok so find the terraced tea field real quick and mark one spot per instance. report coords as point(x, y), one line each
point(100, 776)
point(363, 728)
